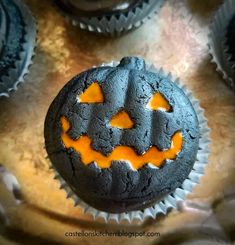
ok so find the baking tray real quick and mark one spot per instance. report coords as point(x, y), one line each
point(176, 39)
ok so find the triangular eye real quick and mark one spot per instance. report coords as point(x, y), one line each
point(121, 120)
point(93, 94)
point(158, 102)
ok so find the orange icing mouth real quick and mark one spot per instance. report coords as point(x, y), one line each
point(120, 153)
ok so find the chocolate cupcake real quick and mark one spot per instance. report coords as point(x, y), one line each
point(230, 42)
point(222, 41)
point(17, 41)
point(122, 137)
point(108, 16)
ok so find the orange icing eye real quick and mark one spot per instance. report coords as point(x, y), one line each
point(158, 102)
point(121, 120)
point(120, 153)
point(93, 94)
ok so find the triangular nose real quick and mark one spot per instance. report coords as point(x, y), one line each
point(121, 120)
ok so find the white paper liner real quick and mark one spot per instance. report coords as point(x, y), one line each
point(120, 23)
point(170, 201)
point(217, 42)
point(17, 73)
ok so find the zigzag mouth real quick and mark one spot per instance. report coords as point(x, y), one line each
point(153, 155)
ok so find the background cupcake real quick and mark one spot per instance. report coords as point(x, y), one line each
point(222, 41)
point(17, 41)
point(109, 17)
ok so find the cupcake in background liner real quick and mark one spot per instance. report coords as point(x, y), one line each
point(112, 18)
point(17, 43)
point(11, 195)
point(222, 41)
point(169, 201)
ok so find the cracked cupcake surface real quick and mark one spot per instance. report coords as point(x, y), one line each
point(122, 137)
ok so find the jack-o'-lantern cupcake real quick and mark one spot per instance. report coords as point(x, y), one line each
point(109, 16)
point(17, 42)
point(126, 140)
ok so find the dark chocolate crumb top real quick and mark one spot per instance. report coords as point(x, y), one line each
point(231, 38)
point(12, 33)
point(128, 87)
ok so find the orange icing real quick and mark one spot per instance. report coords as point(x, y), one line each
point(158, 102)
point(121, 120)
point(120, 153)
point(93, 94)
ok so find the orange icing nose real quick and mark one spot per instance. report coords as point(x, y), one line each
point(121, 120)
point(120, 153)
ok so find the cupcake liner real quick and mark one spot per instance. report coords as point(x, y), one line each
point(117, 23)
point(217, 42)
point(171, 200)
point(15, 74)
point(12, 196)
point(11, 183)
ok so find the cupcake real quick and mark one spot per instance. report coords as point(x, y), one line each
point(123, 138)
point(230, 42)
point(222, 41)
point(108, 16)
point(17, 41)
